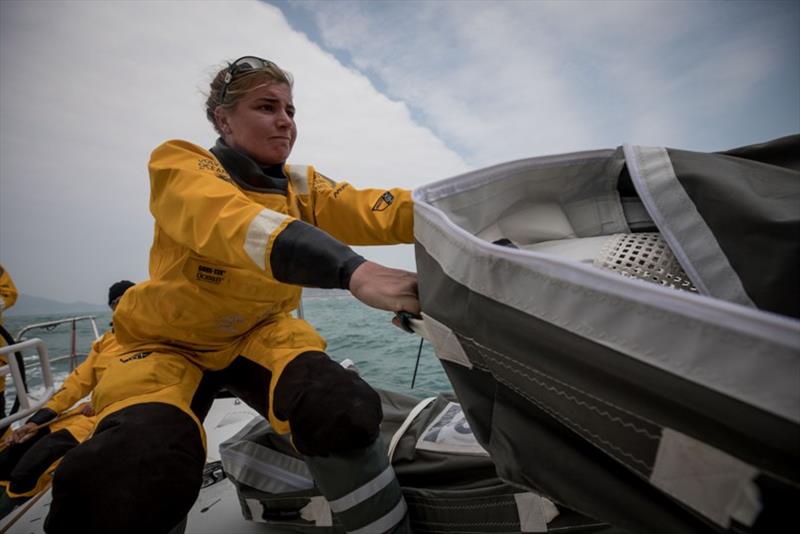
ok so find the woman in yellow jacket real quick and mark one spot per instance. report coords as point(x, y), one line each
point(237, 233)
point(34, 449)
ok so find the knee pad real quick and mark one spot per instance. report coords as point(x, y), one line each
point(330, 408)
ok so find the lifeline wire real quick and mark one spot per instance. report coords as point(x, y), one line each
point(416, 366)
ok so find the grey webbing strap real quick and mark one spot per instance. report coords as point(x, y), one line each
point(682, 226)
point(518, 512)
point(266, 470)
point(364, 492)
point(385, 523)
point(261, 467)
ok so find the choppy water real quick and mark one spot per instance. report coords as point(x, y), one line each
point(384, 355)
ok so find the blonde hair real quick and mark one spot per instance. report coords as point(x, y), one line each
point(240, 85)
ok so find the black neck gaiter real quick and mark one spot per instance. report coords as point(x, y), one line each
point(247, 173)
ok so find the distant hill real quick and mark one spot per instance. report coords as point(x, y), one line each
point(30, 305)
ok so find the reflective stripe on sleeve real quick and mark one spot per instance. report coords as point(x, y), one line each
point(261, 227)
point(364, 492)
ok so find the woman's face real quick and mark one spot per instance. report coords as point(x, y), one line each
point(262, 124)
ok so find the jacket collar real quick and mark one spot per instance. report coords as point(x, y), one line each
point(248, 174)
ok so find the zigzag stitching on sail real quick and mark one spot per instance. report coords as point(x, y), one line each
point(556, 414)
point(579, 428)
point(480, 346)
point(599, 411)
point(496, 504)
point(579, 402)
point(514, 524)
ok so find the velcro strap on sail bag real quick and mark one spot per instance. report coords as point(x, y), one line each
point(448, 480)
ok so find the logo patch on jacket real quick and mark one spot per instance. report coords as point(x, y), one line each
point(383, 202)
point(137, 356)
point(338, 190)
point(321, 178)
point(206, 164)
point(210, 274)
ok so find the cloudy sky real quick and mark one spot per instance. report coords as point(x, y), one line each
point(388, 93)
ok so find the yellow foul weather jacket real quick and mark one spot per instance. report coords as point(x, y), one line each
point(80, 383)
point(8, 296)
point(229, 255)
point(85, 377)
point(8, 292)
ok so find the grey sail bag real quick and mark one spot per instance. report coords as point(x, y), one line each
point(448, 480)
point(622, 329)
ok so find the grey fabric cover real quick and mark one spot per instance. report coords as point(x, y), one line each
point(654, 409)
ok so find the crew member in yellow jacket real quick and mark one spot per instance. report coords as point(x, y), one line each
point(237, 233)
point(34, 449)
point(8, 292)
point(8, 296)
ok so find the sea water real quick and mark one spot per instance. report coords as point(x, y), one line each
point(384, 355)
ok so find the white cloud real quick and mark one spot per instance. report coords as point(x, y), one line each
point(505, 80)
point(88, 89)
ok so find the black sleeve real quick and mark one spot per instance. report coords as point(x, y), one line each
point(306, 256)
point(42, 416)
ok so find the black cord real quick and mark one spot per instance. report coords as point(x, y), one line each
point(416, 366)
point(404, 318)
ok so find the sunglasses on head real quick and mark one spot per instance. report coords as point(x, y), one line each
point(240, 66)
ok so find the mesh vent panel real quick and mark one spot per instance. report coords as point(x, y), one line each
point(646, 256)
